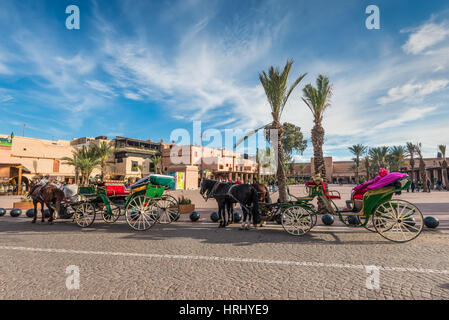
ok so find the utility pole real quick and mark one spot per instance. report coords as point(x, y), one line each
point(23, 131)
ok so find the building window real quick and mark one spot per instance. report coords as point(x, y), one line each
point(134, 166)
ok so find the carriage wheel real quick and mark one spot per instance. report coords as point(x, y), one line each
point(111, 218)
point(398, 220)
point(168, 209)
point(297, 220)
point(84, 214)
point(141, 213)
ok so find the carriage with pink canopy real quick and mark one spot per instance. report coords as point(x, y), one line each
point(372, 207)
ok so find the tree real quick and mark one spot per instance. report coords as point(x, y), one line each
point(318, 100)
point(103, 151)
point(422, 167)
point(411, 150)
point(442, 149)
point(86, 160)
point(378, 157)
point(275, 86)
point(367, 167)
point(292, 140)
point(75, 162)
point(396, 157)
point(357, 150)
point(157, 161)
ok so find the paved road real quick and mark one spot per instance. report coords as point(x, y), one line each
point(200, 261)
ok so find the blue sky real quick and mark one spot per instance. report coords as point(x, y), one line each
point(144, 68)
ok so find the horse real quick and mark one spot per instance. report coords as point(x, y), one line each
point(218, 190)
point(227, 194)
point(262, 190)
point(47, 194)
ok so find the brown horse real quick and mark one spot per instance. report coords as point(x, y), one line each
point(49, 195)
point(262, 191)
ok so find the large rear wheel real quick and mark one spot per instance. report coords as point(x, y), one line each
point(398, 220)
point(141, 213)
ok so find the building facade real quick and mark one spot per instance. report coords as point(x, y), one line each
point(343, 171)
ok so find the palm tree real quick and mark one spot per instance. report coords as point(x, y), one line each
point(378, 156)
point(367, 167)
point(318, 100)
point(86, 160)
point(422, 167)
point(411, 150)
point(75, 162)
point(157, 161)
point(103, 151)
point(442, 149)
point(397, 157)
point(275, 86)
point(357, 150)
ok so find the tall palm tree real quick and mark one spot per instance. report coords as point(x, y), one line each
point(103, 151)
point(378, 156)
point(422, 167)
point(367, 167)
point(442, 149)
point(318, 100)
point(397, 157)
point(75, 162)
point(157, 161)
point(86, 160)
point(275, 85)
point(411, 150)
point(357, 150)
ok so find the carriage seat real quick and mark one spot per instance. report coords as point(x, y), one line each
point(330, 194)
point(112, 190)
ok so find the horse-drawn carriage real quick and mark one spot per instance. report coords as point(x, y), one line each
point(372, 207)
point(144, 205)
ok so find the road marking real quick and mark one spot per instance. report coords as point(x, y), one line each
point(224, 259)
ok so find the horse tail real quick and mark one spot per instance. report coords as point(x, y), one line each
point(255, 205)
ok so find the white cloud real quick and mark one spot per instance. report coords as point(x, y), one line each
point(99, 86)
point(408, 115)
point(426, 36)
point(132, 96)
point(411, 91)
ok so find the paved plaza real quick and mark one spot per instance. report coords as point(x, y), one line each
point(199, 261)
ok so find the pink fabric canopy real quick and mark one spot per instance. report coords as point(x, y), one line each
point(379, 182)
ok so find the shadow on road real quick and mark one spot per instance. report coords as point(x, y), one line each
point(210, 234)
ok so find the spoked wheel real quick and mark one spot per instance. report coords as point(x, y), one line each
point(297, 220)
point(398, 220)
point(84, 214)
point(141, 213)
point(168, 209)
point(111, 218)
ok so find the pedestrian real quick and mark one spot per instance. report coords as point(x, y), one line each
point(428, 185)
point(413, 186)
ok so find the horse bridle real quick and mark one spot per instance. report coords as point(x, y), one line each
point(210, 192)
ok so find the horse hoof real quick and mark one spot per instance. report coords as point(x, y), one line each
point(34, 221)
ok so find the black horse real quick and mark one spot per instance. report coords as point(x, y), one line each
point(227, 194)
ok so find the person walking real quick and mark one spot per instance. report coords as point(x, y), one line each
point(428, 185)
point(413, 186)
